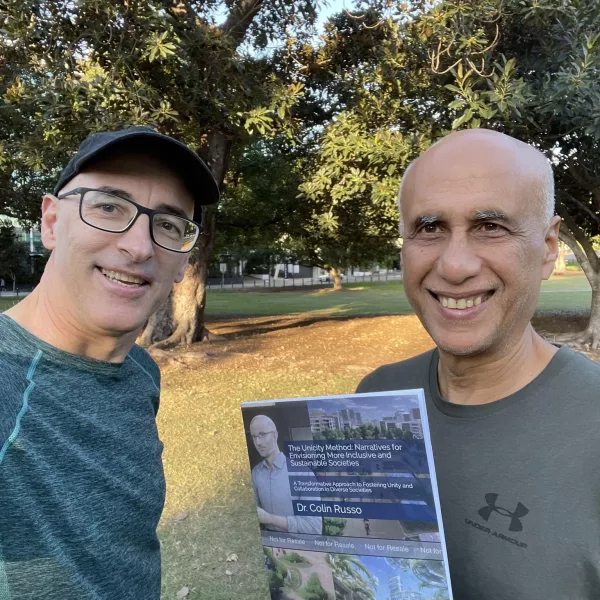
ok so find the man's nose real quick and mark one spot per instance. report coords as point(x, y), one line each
point(459, 259)
point(136, 241)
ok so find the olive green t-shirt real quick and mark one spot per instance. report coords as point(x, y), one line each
point(519, 480)
point(81, 478)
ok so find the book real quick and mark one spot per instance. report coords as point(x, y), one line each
point(347, 497)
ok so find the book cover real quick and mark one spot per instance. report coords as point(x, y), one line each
point(347, 498)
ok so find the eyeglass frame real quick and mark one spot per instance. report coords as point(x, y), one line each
point(141, 210)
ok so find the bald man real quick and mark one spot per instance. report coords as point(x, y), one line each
point(271, 484)
point(514, 420)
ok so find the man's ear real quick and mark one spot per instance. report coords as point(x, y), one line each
point(49, 221)
point(551, 247)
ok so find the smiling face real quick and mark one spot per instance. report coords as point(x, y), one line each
point(113, 282)
point(476, 241)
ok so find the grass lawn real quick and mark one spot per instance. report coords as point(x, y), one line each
point(6, 303)
point(567, 292)
point(206, 464)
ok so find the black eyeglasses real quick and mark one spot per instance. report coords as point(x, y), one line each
point(108, 212)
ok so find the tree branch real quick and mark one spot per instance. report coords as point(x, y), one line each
point(583, 181)
point(239, 20)
point(582, 206)
point(577, 240)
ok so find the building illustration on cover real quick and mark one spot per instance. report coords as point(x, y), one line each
point(346, 497)
point(401, 423)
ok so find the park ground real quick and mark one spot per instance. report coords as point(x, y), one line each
point(274, 345)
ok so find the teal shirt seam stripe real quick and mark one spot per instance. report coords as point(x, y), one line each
point(15, 432)
point(144, 371)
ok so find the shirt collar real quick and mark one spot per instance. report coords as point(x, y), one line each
point(279, 462)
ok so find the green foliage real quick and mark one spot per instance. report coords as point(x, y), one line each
point(429, 573)
point(15, 267)
point(537, 79)
point(313, 590)
point(354, 575)
point(294, 578)
point(69, 69)
point(334, 526)
point(378, 116)
point(259, 205)
point(364, 432)
point(348, 194)
point(277, 572)
point(10, 255)
point(294, 557)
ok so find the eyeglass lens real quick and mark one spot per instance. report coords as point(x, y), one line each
point(261, 436)
point(115, 214)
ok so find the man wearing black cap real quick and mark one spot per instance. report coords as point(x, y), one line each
point(81, 480)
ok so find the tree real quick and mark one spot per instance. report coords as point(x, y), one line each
point(372, 84)
point(350, 196)
point(69, 69)
point(353, 574)
point(430, 573)
point(277, 572)
point(334, 526)
point(313, 590)
point(260, 206)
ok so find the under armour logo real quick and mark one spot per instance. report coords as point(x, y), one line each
point(515, 517)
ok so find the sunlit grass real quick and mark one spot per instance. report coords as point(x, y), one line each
point(208, 477)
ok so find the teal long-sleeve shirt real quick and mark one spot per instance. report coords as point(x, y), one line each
point(81, 478)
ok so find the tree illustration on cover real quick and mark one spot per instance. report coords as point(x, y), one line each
point(430, 573)
point(350, 573)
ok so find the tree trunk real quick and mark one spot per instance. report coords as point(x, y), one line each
point(159, 326)
point(336, 275)
point(590, 264)
point(592, 333)
point(181, 319)
point(560, 266)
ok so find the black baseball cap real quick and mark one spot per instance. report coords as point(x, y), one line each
point(192, 169)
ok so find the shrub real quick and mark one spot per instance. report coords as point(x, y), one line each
point(334, 526)
point(313, 590)
point(295, 558)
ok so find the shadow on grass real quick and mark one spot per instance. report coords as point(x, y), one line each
point(239, 328)
point(258, 326)
point(233, 337)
